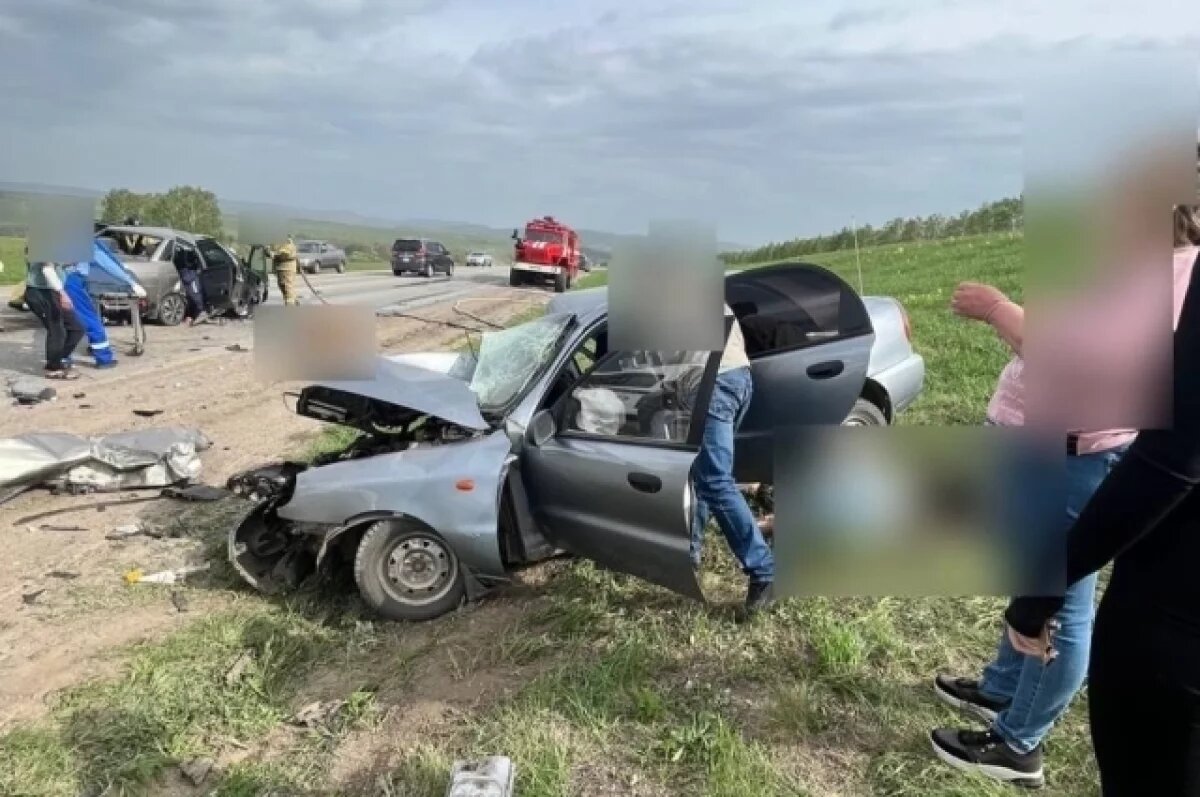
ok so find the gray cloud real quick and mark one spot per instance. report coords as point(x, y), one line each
point(352, 105)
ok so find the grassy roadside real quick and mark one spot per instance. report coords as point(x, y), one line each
point(594, 683)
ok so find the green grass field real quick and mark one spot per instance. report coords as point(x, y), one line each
point(12, 254)
point(594, 683)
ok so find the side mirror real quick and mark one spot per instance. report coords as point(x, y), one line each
point(541, 429)
point(516, 234)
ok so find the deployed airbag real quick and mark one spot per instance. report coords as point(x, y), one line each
point(128, 460)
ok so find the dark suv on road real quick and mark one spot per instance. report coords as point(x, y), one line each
point(421, 256)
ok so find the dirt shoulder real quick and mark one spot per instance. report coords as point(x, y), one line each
point(66, 605)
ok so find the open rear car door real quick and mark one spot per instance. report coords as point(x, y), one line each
point(809, 337)
point(217, 278)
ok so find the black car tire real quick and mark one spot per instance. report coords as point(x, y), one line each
point(865, 413)
point(341, 267)
point(427, 271)
point(560, 282)
point(514, 278)
point(171, 309)
point(380, 568)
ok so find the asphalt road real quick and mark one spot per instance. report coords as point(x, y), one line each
point(22, 339)
point(383, 290)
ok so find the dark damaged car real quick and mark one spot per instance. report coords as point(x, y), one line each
point(467, 468)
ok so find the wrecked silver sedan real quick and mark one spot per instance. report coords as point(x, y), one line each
point(469, 467)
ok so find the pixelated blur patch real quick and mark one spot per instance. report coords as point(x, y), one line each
point(1111, 142)
point(262, 228)
point(983, 514)
point(666, 290)
point(320, 343)
point(61, 229)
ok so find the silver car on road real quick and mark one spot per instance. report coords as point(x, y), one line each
point(472, 466)
point(317, 256)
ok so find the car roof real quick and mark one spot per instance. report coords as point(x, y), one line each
point(155, 232)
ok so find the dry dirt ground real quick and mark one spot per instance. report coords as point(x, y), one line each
point(66, 608)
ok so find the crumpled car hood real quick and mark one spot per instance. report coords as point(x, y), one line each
point(418, 388)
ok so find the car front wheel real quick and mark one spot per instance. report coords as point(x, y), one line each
point(865, 413)
point(341, 267)
point(407, 572)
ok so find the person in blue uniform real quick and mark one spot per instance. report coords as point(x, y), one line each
point(76, 286)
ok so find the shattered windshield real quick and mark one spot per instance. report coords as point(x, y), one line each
point(510, 359)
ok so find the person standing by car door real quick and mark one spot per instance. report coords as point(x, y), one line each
point(712, 474)
point(285, 259)
point(47, 298)
point(187, 263)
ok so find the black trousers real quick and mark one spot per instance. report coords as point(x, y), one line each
point(192, 292)
point(63, 330)
point(1144, 701)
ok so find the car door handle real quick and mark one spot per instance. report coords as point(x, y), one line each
point(826, 370)
point(645, 482)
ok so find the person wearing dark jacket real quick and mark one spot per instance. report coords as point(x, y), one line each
point(1144, 674)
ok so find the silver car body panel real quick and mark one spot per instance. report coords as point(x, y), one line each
point(424, 484)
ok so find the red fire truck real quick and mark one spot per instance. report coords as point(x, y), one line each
point(549, 249)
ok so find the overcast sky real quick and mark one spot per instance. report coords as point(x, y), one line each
point(770, 118)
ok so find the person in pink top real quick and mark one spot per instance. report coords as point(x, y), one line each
point(1020, 696)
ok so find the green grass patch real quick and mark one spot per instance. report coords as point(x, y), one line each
point(176, 700)
point(12, 253)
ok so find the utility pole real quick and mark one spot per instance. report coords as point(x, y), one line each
point(857, 258)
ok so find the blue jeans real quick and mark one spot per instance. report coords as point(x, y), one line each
point(1040, 693)
point(717, 493)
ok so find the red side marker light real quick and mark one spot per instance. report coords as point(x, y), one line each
point(464, 485)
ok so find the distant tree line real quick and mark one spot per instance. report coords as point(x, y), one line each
point(1004, 215)
point(184, 207)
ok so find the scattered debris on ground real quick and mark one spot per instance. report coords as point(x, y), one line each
point(68, 575)
point(147, 413)
point(197, 770)
point(492, 777)
point(27, 390)
point(74, 464)
point(136, 576)
point(317, 714)
point(180, 601)
point(31, 597)
point(126, 531)
point(239, 667)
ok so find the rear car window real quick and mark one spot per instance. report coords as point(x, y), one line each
point(791, 307)
point(214, 254)
point(406, 245)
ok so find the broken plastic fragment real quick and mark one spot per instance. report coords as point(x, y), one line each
point(489, 777)
point(136, 576)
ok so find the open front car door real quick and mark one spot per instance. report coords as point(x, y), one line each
point(608, 459)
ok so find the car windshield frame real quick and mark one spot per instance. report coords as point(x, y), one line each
point(540, 340)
